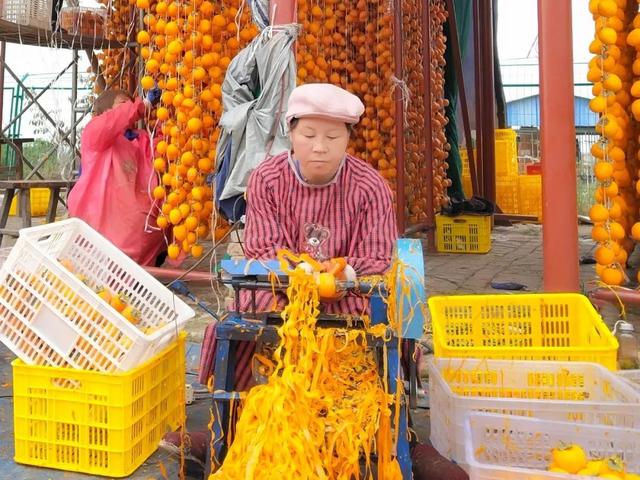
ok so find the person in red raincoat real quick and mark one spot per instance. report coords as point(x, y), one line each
point(112, 194)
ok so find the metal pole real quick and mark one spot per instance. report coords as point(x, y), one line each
point(479, 104)
point(399, 99)
point(174, 273)
point(74, 99)
point(488, 104)
point(627, 296)
point(3, 51)
point(3, 54)
point(428, 135)
point(457, 64)
point(558, 148)
point(35, 99)
point(44, 112)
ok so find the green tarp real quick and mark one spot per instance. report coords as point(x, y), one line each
point(464, 14)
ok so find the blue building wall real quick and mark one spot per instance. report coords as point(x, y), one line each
point(525, 112)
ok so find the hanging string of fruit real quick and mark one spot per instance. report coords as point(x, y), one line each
point(414, 133)
point(610, 71)
point(437, 17)
point(350, 45)
point(187, 47)
point(633, 153)
point(121, 19)
point(414, 141)
point(119, 26)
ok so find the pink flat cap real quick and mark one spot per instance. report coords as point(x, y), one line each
point(326, 101)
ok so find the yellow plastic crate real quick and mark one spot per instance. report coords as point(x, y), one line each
point(38, 199)
point(463, 234)
point(506, 153)
point(530, 195)
point(98, 423)
point(507, 194)
point(467, 188)
point(563, 327)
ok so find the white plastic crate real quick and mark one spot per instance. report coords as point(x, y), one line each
point(562, 391)
point(33, 13)
point(4, 252)
point(51, 316)
point(503, 447)
point(631, 376)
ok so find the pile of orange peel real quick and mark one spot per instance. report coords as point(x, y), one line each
point(324, 409)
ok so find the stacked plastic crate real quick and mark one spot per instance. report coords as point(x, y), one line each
point(467, 188)
point(100, 371)
point(515, 193)
point(514, 375)
point(530, 195)
point(506, 155)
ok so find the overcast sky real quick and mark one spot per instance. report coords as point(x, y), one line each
point(518, 29)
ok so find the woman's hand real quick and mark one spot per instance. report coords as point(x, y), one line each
point(340, 268)
point(334, 266)
point(335, 270)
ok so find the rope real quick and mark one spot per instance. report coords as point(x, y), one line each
point(236, 20)
point(623, 312)
point(406, 95)
point(148, 228)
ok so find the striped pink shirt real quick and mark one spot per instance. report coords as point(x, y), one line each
point(352, 216)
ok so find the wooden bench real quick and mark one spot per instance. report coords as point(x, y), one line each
point(19, 143)
point(24, 194)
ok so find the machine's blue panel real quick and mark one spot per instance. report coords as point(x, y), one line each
point(409, 252)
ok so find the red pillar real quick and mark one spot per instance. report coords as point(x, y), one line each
point(487, 93)
point(479, 100)
point(399, 127)
point(558, 148)
point(3, 54)
point(282, 11)
point(428, 135)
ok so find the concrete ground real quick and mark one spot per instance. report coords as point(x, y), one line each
point(516, 256)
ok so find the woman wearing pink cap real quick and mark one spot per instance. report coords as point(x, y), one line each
point(314, 199)
point(318, 199)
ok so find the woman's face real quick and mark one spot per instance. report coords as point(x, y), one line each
point(319, 145)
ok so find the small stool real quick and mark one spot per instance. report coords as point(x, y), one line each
point(24, 194)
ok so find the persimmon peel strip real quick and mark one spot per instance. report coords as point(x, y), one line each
point(319, 414)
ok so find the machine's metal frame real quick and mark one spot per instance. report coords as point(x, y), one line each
point(251, 326)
